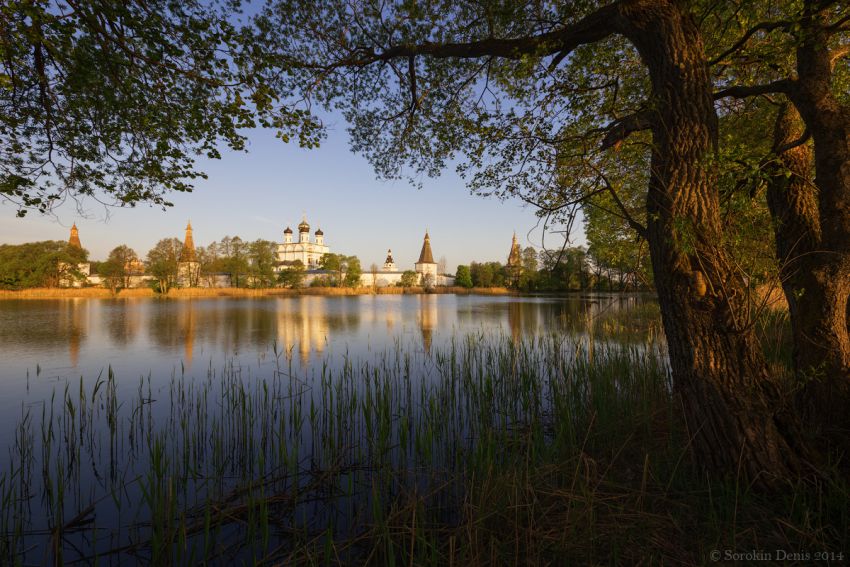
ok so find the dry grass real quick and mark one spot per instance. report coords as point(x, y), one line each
point(475, 290)
point(226, 292)
point(772, 297)
point(177, 293)
point(68, 293)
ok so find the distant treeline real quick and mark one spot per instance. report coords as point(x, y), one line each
point(254, 264)
point(39, 264)
point(242, 263)
point(568, 269)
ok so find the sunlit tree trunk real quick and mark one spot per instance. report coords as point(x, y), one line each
point(733, 407)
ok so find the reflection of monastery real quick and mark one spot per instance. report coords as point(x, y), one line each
point(289, 252)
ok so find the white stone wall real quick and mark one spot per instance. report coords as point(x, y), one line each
point(309, 253)
point(426, 268)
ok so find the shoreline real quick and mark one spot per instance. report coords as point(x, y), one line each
point(189, 293)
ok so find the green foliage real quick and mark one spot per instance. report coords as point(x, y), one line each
point(564, 270)
point(292, 276)
point(231, 257)
point(408, 279)
point(488, 274)
point(161, 262)
point(39, 264)
point(428, 281)
point(262, 259)
point(352, 271)
point(116, 99)
point(121, 264)
point(346, 269)
point(463, 277)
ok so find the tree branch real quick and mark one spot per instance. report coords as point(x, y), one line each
point(622, 128)
point(838, 53)
point(638, 227)
point(763, 26)
point(592, 28)
point(742, 91)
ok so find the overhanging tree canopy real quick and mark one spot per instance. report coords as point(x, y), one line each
point(116, 100)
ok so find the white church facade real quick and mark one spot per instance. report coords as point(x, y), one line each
point(308, 252)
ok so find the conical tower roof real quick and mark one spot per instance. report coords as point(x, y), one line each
point(74, 240)
point(426, 256)
point(188, 252)
point(515, 256)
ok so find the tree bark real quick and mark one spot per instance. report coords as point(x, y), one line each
point(733, 406)
point(824, 321)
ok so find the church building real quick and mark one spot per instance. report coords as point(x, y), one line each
point(309, 253)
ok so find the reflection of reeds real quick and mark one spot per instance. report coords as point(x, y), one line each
point(487, 451)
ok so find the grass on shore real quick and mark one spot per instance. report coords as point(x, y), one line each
point(546, 451)
point(191, 292)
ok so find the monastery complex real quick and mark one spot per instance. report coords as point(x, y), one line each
point(291, 251)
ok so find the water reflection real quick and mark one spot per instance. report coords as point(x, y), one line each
point(427, 319)
point(304, 325)
point(151, 335)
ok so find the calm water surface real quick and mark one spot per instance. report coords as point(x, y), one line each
point(49, 346)
point(48, 341)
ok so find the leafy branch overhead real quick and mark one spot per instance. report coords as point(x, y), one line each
point(117, 100)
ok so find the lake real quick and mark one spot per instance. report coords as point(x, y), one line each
point(94, 393)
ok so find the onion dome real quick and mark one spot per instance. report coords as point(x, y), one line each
point(303, 226)
point(319, 232)
point(389, 259)
point(287, 230)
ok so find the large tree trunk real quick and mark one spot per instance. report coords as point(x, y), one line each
point(814, 279)
point(826, 392)
point(732, 404)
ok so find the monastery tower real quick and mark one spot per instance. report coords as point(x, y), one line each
point(514, 266)
point(74, 240)
point(71, 275)
point(426, 266)
point(389, 263)
point(188, 267)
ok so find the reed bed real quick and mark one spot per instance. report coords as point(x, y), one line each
point(73, 293)
point(486, 451)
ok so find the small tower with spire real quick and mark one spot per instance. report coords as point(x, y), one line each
point(188, 267)
point(426, 266)
point(74, 240)
point(514, 266)
point(74, 275)
point(188, 252)
point(389, 263)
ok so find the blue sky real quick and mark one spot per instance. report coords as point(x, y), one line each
point(257, 194)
